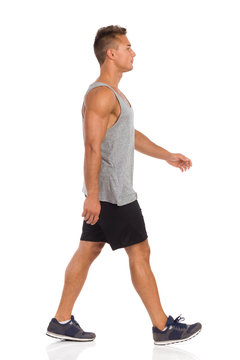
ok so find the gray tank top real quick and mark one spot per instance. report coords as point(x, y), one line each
point(117, 152)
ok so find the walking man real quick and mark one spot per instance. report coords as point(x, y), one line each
point(111, 210)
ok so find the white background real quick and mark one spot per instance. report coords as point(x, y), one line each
point(184, 89)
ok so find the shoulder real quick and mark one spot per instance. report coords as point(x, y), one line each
point(100, 97)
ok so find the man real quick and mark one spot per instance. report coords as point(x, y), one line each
point(111, 211)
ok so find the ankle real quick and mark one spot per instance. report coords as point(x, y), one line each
point(62, 317)
point(161, 324)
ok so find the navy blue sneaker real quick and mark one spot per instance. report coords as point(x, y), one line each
point(69, 331)
point(175, 332)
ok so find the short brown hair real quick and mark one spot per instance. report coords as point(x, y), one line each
point(105, 38)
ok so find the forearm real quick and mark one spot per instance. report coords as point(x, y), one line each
point(144, 145)
point(92, 166)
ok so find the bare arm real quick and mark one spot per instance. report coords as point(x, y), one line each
point(146, 146)
point(99, 102)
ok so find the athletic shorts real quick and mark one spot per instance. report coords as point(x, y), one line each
point(119, 226)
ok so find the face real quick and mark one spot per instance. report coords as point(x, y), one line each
point(124, 55)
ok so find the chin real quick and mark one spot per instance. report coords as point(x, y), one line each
point(129, 69)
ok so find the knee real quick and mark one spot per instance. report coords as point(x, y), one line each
point(90, 250)
point(139, 252)
point(94, 252)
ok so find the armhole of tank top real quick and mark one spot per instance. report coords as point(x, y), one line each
point(121, 108)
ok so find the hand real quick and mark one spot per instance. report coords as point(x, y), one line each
point(91, 210)
point(180, 161)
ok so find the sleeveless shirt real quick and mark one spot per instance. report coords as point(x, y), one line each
point(117, 157)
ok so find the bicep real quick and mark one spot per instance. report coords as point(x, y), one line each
point(95, 127)
point(98, 108)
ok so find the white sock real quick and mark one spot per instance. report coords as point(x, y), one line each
point(64, 322)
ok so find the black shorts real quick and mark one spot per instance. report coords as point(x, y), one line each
point(119, 226)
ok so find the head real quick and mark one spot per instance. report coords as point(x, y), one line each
point(112, 47)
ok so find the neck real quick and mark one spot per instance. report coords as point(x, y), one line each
point(110, 76)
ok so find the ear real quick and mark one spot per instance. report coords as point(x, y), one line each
point(110, 53)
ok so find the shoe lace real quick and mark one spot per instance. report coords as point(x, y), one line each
point(177, 322)
point(75, 322)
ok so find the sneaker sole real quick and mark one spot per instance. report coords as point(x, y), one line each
point(175, 341)
point(64, 337)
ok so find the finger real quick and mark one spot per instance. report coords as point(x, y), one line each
point(182, 157)
point(90, 219)
point(182, 166)
point(84, 212)
point(86, 217)
point(95, 219)
point(185, 159)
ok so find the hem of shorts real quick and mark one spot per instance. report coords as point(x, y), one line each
point(93, 240)
point(136, 242)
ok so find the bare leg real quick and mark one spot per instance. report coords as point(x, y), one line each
point(144, 282)
point(75, 276)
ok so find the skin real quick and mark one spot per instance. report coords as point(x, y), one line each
point(100, 111)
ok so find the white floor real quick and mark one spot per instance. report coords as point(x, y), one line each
point(121, 344)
